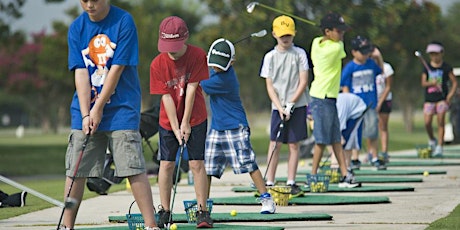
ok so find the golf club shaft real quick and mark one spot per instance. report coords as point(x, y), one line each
point(182, 147)
point(286, 13)
point(242, 39)
point(74, 175)
point(31, 191)
point(424, 63)
point(280, 130)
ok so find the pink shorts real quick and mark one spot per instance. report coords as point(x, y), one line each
point(431, 108)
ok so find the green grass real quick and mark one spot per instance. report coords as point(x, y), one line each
point(39, 156)
point(447, 223)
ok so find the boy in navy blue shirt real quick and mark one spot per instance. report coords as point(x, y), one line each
point(228, 140)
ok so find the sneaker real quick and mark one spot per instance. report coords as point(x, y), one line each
point(349, 181)
point(437, 151)
point(379, 164)
point(268, 205)
point(369, 157)
point(203, 219)
point(164, 217)
point(295, 191)
point(384, 157)
point(355, 164)
point(432, 143)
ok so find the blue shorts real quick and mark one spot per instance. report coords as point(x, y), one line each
point(353, 134)
point(195, 145)
point(326, 126)
point(229, 147)
point(371, 125)
point(294, 130)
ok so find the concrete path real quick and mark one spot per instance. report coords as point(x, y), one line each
point(432, 199)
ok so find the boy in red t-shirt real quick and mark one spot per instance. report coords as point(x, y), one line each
point(175, 74)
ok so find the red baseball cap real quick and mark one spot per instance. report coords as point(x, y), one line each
point(173, 34)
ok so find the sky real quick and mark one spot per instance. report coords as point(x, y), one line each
point(38, 16)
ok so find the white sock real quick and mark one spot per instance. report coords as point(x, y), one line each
point(290, 182)
point(269, 183)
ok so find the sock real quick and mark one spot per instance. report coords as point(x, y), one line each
point(269, 183)
point(290, 182)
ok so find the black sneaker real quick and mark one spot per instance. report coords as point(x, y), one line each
point(379, 164)
point(355, 164)
point(203, 219)
point(164, 217)
point(295, 191)
point(348, 181)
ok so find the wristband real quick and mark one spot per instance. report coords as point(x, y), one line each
point(87, 115)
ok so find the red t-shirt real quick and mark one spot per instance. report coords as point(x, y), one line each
point(171, 77)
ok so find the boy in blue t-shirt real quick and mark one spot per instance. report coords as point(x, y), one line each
point(105, 109)
point(228, 140)
point(358, 77)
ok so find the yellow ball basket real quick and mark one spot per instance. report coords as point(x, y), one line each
point(280, 194)
point(424, 151)
point(191, 207)
point(318, 183)
point(334, 174)
point(135, 220)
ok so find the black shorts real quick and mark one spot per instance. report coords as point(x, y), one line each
point(195, 145)
point(386, 107)
point(295, 129)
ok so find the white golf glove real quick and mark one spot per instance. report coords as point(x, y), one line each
point(289, 108)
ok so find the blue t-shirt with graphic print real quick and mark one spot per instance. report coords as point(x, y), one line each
point(97, 46)
point(360, 79)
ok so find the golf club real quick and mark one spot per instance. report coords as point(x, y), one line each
point(31, 191)
point(251, 6)
point(419, 55)
point(182, 147)
point(280, 130)
point(257, 34)
point(71, 202)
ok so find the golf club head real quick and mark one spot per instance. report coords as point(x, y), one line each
point(70, 203)
point(250, 7)
point(259, 34)
point(417, 53)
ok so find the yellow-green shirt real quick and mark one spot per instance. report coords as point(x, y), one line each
point(327, 67)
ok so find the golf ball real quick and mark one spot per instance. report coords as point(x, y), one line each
point(173, 227)
point(233, 212)
point(426, 173)
point(302, 163)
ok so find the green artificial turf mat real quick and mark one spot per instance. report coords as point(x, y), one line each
point(193, 226)
point(246, 217)
point(307, 199)
point(414, 156)
point(432, 162)
point(362, 179)
point(335, 188)
point(370, 172)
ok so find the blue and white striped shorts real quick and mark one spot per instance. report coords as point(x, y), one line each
point(229, 147)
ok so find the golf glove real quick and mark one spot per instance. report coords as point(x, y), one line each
point(289, 108)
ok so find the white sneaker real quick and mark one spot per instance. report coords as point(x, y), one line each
point(432, 144)
point(437, 151)
point(268, 205)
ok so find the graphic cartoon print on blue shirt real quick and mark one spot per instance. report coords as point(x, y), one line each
point(99, 52)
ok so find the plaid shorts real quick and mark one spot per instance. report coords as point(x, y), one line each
point(229, 147)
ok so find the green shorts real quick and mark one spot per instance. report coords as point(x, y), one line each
point(125, 145)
